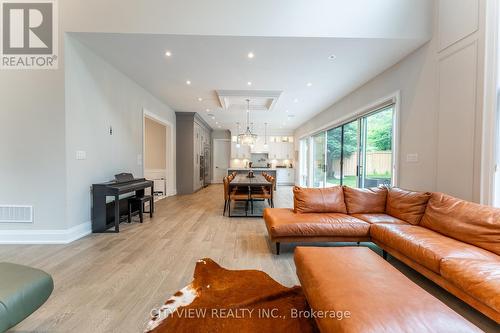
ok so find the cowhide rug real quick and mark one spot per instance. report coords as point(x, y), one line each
point(222, 300)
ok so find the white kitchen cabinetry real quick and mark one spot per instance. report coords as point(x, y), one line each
point(281, 151)
point(243, 152)
point(285, 176)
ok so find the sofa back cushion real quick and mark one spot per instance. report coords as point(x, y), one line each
point(468, 222)
point(319, 200)
point(365, 200)
point(405, 205)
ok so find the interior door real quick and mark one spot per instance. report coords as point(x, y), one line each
point(222, 153)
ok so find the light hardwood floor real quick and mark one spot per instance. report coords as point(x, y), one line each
point(110, 282)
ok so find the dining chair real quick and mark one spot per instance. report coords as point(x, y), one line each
point(233, 195)
point(261, 193)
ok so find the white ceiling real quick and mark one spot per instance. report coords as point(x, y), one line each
point(213, 63)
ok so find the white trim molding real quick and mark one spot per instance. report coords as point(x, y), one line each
point(56, 236)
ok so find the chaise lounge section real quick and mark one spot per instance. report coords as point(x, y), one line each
point(453, 242)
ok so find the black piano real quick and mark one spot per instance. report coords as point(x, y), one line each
point(106, 215)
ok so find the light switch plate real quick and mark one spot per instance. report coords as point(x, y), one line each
point(412, 158)
point(81, 155)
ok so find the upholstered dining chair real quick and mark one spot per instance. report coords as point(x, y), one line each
point(235, 195)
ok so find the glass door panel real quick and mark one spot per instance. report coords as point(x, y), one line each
point(318, 153)
point(350, 153)
point(304, 162)
point(377, 149)
point(334, 157)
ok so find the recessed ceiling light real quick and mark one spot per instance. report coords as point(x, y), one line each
point(332, 57)
point(168, 54)
point(188, 82)
point(296, 100)
point(286, 111)
point(309, 84)
point(249, 83)
point(208, 110)
point(251, 55)
point(200, 99)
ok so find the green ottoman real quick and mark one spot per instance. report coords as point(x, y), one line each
point(22, 290)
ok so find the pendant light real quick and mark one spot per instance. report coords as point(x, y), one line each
point(248, 138)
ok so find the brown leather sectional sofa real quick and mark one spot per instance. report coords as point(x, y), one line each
point(454, 243)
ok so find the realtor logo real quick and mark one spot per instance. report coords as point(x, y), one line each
point(29, 34)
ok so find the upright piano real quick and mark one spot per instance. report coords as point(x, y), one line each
point(106, 215)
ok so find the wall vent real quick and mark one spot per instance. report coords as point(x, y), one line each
point(16, 214)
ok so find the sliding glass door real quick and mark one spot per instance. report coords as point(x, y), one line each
point(334, 157)
point(357, 154)
point(304, 162)
point(350, 154)
point(319, 161)
point(377, 156)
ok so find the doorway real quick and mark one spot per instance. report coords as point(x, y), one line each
point(222, 153)
point(158, 154)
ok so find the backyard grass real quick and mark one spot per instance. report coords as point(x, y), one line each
point(351, 180)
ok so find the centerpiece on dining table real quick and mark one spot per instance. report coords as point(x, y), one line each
point(250, 174)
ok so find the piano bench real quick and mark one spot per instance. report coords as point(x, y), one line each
point(141, 200)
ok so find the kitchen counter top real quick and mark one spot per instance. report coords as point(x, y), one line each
point(257, 169)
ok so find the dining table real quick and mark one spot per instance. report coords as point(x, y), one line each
point(242, 181)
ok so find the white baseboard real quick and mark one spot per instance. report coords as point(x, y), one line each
point(57, 236)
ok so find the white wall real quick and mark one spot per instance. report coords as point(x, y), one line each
point(441, 103)
point(99, 96)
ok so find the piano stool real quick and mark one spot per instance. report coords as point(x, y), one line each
point(141, 200)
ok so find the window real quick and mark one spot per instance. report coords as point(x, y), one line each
point(358, 153)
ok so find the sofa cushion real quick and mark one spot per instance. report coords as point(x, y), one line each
point(425, 246)
point(283, 222)
point(478, 278)
point(365, 200)
point(406, 205)
point(378, 218)
point(319, 200)
point(466, 221)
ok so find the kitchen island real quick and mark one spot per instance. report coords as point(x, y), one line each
point(284, 176)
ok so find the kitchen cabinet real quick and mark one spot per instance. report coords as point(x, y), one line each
point(285, 176)
point(281, 151)
point(243, 152)
point(193, 153)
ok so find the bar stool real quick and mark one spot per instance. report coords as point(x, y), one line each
point(141, 201)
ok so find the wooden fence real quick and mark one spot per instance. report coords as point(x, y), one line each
point(379, 162)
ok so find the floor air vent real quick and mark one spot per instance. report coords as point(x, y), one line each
point(16, 213)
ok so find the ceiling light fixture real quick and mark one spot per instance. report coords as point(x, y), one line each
point(251, 55)
point(309, 84)
point(188, 82)
point(168, 54)
point(332, 57)
point(247, 138)
point(249, 83)
point(208, 110)
point(296, 100)
point(200, 99)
